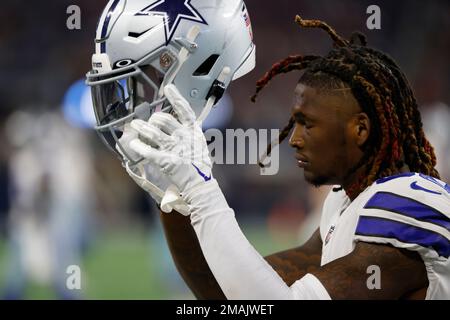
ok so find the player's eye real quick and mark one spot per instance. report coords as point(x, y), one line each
point(304, 122)
point(299, 119)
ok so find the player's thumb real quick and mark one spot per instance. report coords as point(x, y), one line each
point(180, 105)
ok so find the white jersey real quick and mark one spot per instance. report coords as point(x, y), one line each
point(409, 211)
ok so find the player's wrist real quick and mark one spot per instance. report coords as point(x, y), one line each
point(206, 199)
point(200, 190)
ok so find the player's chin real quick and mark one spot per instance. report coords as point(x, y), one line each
point(315, 179)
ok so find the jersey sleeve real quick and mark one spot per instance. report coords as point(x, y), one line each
point(410, 213)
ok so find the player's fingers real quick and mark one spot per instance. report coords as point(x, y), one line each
point(181, 107)
point(153, 155)
point(164, 121)
point(151, 134)
point(122, 147)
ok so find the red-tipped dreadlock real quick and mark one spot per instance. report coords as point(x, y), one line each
point(383, 92)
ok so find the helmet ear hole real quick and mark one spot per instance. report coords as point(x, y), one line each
point(206, 66)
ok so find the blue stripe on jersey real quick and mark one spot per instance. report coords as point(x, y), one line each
point(384, 228)
point(106, 24)
point(407, 207)
point(400, 175)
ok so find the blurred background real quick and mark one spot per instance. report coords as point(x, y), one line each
point(65, 199)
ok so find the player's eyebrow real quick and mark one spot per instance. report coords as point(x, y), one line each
point(300, 116)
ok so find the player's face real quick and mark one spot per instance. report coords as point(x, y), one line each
point(323, 135)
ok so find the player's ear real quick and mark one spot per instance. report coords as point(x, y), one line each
point(361, 128)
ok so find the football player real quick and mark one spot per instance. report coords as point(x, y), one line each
point(355, 125)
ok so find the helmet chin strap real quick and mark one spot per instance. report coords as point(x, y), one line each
point(212, 99)
point(182, 57)
point(143, 181)
point(169, 199)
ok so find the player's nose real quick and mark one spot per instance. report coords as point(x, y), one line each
point(296, 141)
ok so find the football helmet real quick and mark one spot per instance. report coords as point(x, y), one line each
point(143, 45)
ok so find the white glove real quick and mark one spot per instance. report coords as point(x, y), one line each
point(148, 177)
point(177, 146)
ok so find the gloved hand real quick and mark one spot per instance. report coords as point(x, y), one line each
point(147, 176)
point(176, 146)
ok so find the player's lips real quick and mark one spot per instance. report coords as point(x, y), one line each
point(302, 161)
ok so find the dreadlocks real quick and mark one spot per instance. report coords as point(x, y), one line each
point(382, 91)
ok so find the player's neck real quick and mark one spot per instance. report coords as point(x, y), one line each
point(351, 181)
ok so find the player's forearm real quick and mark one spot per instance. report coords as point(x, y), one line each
point(188, 257)
point(240, 270)
point(295, 263)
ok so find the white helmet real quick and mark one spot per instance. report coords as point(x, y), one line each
point(143, 45)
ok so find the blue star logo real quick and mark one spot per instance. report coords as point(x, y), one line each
point(173, 11)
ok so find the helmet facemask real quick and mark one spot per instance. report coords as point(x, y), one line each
point(131, 92)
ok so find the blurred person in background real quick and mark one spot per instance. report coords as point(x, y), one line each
point(51, 201)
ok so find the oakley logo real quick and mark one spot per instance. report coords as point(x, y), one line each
point(123, 63)
point(415, 186)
